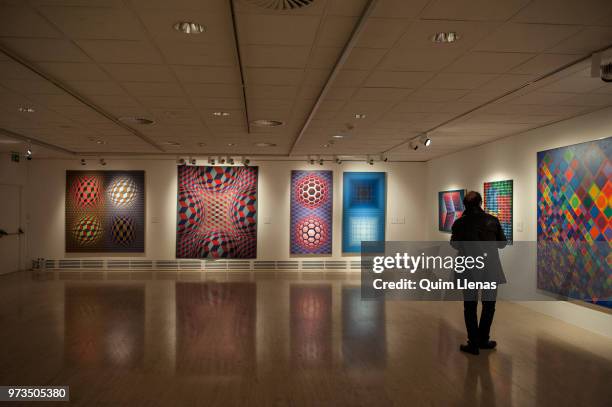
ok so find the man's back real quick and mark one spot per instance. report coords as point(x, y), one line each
point(477, 225)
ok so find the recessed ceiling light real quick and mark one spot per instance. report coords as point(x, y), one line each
point(189, 27)
point(267, 123)
point(171, 143)
point(360, 116)
point(201, 144)
point(100, 142)
point(221, 114)
point(232, 144)
point(325, 145)
point(265, 144)
point(136, 120)
point(445, 37)
point(26, 109)
point(338, 136)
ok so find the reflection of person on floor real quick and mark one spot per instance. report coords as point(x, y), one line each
point(479, 370)
point(470, 234)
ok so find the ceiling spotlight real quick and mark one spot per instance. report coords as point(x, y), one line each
point(189, 27)
point(320, 161)
point(193, 161)
point(338, 160)
point(28, 154)
point(267, 123)
point(230, 161)
point(385, 158)
point(83, 162)
point(100, 142)
point(222, 160)
point(360, 116)
point(211, 160)
point(414, 145)
point(265, 145)
point(326, 145)
point(221, 114)
point(371, 161)
point(246, 161)
point(425, 140)
point(171, 143)
point(232, 144)
point(180, 161)
point(338, 136)
point(311, 161)
point(26, 109)
point(102, 162)
point(445, 37)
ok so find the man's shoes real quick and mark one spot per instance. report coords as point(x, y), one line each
point(469, 348)
point(488, 345)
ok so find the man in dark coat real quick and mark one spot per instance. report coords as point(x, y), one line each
point(474, 234)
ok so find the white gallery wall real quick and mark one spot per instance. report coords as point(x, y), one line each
point(47, 186)
point(515, 158)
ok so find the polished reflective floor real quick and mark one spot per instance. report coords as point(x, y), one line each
point(283, 342)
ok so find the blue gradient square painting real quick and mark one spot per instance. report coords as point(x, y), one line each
point(363, 209)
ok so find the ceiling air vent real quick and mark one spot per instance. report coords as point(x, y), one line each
point(280, 5)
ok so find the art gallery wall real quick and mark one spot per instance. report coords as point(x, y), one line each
point(405, 205)
point(516, 158)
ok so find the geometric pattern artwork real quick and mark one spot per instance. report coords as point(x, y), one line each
point(311, 212)
point(498, 202)
point(216, 212)
point(575, 211)
point(105, 211)
point(363, 209)
point(450, 208)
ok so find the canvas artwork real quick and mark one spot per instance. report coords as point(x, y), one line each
point(216, 212)
point(311, 212)
point(498, 202)
point(450, 208)
point(363, 209)
point(574, 221)
point(105, 211)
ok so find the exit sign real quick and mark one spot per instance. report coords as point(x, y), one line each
point(15, 157)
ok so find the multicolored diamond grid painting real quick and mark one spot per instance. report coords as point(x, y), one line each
point(216, 212)
point(574, 221)
point(450, 208)
point(104, 211)
point(311, 212)
point(498, 202)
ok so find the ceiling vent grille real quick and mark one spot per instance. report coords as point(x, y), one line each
point(280, 5)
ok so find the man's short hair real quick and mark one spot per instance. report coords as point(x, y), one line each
point(472, 199)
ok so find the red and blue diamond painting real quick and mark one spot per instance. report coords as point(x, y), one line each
point(105, 211)
point(216, 212)
point(575, 221)
point(311, 212)
point(450, 208)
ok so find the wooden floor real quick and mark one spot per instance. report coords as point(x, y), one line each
point(283, 343)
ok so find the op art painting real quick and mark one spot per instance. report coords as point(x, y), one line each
point(450, 208)
point(105, 211)
point(363, 209)
point(498, 202)
point(574, 221)
point(311, 212)
point(216, 212)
